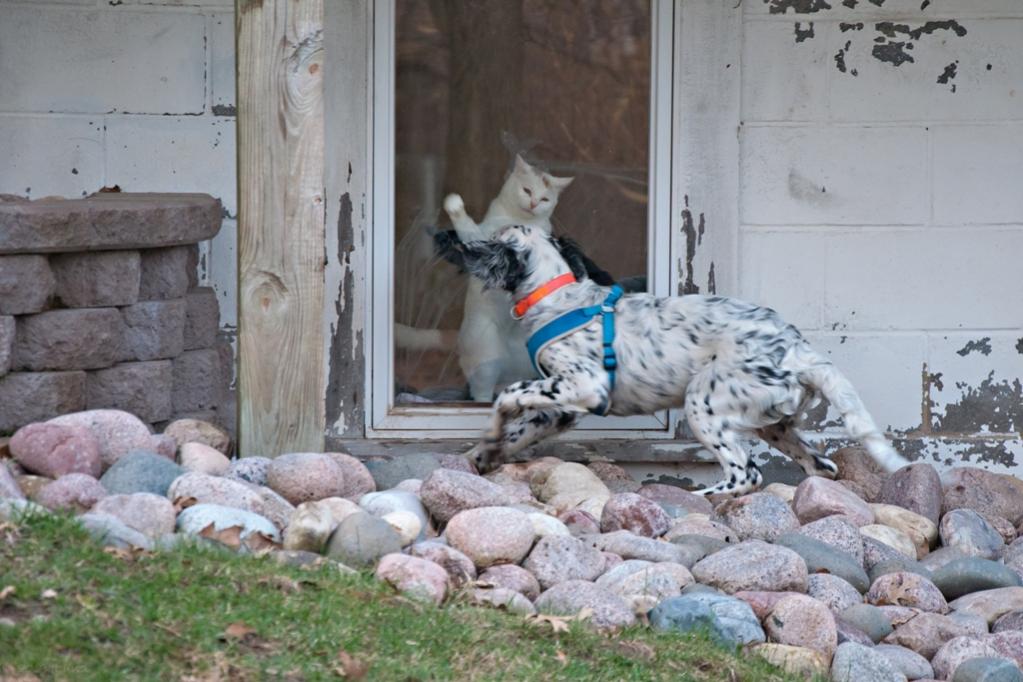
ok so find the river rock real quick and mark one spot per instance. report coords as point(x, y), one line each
point(141, 472)
point(357, 479)
point(857, 467)
point(818, 497)
point(77, 493)
point(858, 663)
point(802, 621)
point(663, 493)
point(964, 576)
point(459, 567)
point(753, 565)
point(757, 516)
point(110, 531)
point(406, 524)
point(305, 477)
point(198, 431)
point(784, 492)
point(907, 589)
point(637, 577)
point(117, 433)
point(52, 450)
point(631, 546)
point(152, 515)
point(388, 501)
point(206, 489)
point(609, 611)
point(446, 492)
point(893, 537)
point(361, 540)
point(925, 633)
point(696, 523)
point(511, 577)
point(634, 513)
point(556, 559)
point(832, 591)
point(957, 651)
point(916, 487)
point(1013, 620)
point(919, 529)
point(908, 662)
point(987, 669)
point(579, 522)
point(309, 527)
point(990, 604)
point(195, 519)
point(837, 532)
point(250, 469)
point(869, 619)
point(203, 459)
point(570, 485)
point(822, 558)
point(941, 556)
point(970, 533)
point(797, 661)
point(502, 598)
point(984, 492)
point(491, 535)
point(1008, 644)
point(414, 577)
point(617, 479)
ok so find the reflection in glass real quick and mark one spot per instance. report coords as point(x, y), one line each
point(530, 111)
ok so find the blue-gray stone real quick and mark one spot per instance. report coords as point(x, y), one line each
point(687, 615)
point(704, 543)
point(822, 558)
point(910, 663)
point(387, 501)
point(973, 574)
point(969, 532)
point(735, 616)
point(987, 669)
point(700, 588)
point(110, 531)
point(900, 564)
point(361, 540)
point(140, 472)
point(868, 618)
point(673, 510)
point(857, 663)
point(388, 472)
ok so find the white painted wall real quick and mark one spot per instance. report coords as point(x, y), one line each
point(134, 93)
point(882, 212)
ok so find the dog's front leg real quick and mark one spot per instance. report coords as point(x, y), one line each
point(516, 418)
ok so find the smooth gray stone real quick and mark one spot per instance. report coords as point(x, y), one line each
point(857, 663)
point(973, 574)
point(870, 619)
point(986, 669)
point(361, 540)
point(823, 558)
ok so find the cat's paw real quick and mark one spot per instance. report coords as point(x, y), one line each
point(454, 206)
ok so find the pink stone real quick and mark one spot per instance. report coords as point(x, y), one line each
point(458, 566)
point(204, 459)
point(512, 577)
point(117, 432)
point(358, 480)
point(579, 522)
point(305, 477)
point(671, 494)
point(51, 450)
point(74, 492)
point(149, 514)
point(762, 602)
point(634, 513)
point(799, 620)
point(907, 589)
point(818, 497)
point(414, 577)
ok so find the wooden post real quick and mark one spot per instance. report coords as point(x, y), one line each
point(280, 226)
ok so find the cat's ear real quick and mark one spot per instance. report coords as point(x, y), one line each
point(521, 167)
point(495, 263)
point(581, 264)
point(556, 182)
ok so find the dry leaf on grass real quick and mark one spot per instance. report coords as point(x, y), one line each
point(182, 503)
point(349, 667)
point(230, 536)
point(49, 593)
point(562, 657)
point(632, 649)
point(10, 533)
point(9, 674)
point(237, 631)
point(127, 554)
point(6, 592)
point(558, 623)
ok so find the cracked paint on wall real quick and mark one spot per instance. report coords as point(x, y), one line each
point(990, 407)
point(694, 237)
point(980, 346)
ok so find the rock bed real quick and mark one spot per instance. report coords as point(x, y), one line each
point(868, 578)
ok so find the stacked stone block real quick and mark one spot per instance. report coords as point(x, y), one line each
point(99, 308)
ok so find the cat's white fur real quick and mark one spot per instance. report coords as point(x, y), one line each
point(491, 345)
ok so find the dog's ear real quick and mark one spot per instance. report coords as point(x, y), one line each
point(581, 264)
point(496, 264)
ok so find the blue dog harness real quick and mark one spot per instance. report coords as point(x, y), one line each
point(574, 320)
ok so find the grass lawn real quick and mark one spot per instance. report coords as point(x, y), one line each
point(82, 613)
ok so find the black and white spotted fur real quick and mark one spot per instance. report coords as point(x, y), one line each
point(736, 369)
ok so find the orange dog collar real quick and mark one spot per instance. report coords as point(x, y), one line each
point(524, 304)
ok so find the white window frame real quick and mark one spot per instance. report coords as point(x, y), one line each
point(386, 420)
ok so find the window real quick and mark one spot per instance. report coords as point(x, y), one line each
point(552, 111)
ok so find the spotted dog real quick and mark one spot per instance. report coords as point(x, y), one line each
point(735, 369)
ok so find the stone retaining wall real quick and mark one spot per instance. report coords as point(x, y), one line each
point(100, 308)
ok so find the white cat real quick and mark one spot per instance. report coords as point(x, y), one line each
point(491, 345)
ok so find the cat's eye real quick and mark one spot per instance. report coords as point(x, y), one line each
point(545, 199)
point(527, 191)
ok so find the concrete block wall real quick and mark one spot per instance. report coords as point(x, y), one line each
point(881, 165)
point(138, 94)
point(105, 311)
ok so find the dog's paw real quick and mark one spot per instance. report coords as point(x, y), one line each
point(454, 206)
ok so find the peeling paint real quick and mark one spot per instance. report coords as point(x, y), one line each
point(949, 74)
point(848, 26)
point(893, 52)
point(224, 110)
point(851, 4)
point(804, 34)
point(798, 6)
point(346, 362)
point(840, 58)
point(924, 5)
point(711, 284)
point(991, 407)
point(981, 346)
point(1019, 345)
point(692, 239)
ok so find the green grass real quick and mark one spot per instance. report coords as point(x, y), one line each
point(82, 613)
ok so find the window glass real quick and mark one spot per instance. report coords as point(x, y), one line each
point(531, 111)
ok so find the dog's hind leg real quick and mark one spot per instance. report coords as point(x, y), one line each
point(715, 433)
point(785, 437)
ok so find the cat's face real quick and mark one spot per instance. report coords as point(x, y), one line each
point(534, 193)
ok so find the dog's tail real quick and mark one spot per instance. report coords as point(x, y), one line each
point(414, 338)
point(825, 378)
